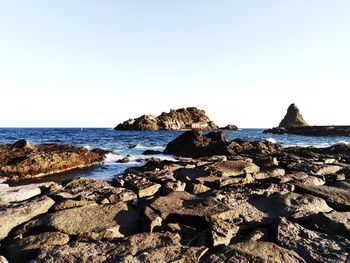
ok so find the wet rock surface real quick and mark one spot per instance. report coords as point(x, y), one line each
point(22, 160)
point(221, 201)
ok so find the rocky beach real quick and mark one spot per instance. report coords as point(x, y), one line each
point(219, 200)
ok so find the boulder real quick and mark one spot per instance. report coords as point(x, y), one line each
point(254, 251)
point(233, 168)
point(189, 118)
point(14, 214)
point(292, 118)
point(312, 246)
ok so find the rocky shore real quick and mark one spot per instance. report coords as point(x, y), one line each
point(22, 160)
point(222, 201)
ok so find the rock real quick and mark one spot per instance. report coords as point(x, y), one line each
point(333, 222)
point(15, 214)
point(150, 152)
point(184, 206)
point(293, 118)
point(222, 232)
point(189, 118)
point(150, 220)
point(230, 127)
point(86, 190)
point(139, 184)
point(312, 246)
point(172, 186)
point(125, 159)
point(20, 160)
point(134, 246)
point(196, 188)
point(254, 251)
point(94, 222)
point(21, 248)
point(233, 168)
point(313, 130)
point(337, 197)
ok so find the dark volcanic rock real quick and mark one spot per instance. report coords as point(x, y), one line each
point(230, 127)
point(22, 160)
point(313, 130)
point(293, 118)
point(189, 118)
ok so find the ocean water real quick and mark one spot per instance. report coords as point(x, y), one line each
point(133, 143)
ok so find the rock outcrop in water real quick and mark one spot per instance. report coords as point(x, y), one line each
point(293, 123)
point(293, 118)
point(226, 201)
point(230, 127)
point(23, 160)
point(180, 119)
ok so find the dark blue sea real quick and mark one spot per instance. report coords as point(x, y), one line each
point(133, 143)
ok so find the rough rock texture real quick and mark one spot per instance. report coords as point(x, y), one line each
point(313, 246)
point(230, 127)
point(22, 160)
point(12, 215)
point(189, 118)
point(293, 118)
point(333, 222)
point(259, 251)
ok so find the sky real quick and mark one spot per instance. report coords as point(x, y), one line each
point(84, 63)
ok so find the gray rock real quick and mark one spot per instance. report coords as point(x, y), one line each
point(15, 214)
point(312, 246)
point(254, 251)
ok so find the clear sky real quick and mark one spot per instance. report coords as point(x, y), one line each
point(96, 63)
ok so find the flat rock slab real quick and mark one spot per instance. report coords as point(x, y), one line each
point(254, 251)
point(312, 246)
point(15, 214)
point(129, 248)
point(337, 197)
point(22, 160)
point(183, 204)
point(95, 221)
point(233, 168)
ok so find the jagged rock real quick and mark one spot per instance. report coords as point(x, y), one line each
point(254, 251)
point(125, 159)
point(92, 190)
point(12, 215)
point(134, 245)
point(230, 127)
point(312, 246)
point(23, 161)
point(172, 186)
point(222, 232)
point(333, 223)
point(93, 222)
point(150, 220)
point(189, 118)
point(139, 184)
point(293, 118)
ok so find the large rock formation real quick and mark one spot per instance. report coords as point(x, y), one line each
point(293, 118)
point(23, 160)
point(180, 119)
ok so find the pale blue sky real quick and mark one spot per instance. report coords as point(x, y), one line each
point(96, 63)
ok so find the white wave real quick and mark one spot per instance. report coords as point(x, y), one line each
point(343, 142)
point(162, 157)
point(112, 157)
point(271, 140)
point(88, 147)
point(140, 146)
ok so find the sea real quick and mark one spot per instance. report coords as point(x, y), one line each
point(134, 143)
